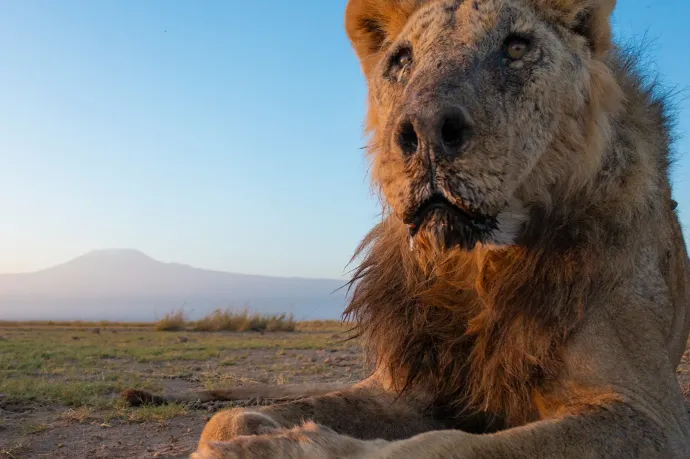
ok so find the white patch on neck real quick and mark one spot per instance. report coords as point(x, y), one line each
point(510, 221)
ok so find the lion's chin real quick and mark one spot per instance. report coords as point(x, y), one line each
point(446, 226)
point(442, 230)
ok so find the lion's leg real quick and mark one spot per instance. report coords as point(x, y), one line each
point(615, 430)
point(363, 412)
point(138, 397)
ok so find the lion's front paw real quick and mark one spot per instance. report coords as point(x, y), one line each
point(226, 425)
point(306, 442)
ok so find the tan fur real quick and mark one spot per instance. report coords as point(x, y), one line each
point(138, 397)
point(556, 333)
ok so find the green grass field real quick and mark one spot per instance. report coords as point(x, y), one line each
point(58, 377)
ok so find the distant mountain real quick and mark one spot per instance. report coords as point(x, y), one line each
point(129, 285)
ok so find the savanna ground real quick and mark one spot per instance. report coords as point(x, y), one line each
point(60, 385)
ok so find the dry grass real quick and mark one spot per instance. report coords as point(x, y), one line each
point(229, 320)
point(15, 451)
point(78, 415)
point(172, 321)
point(219, 320)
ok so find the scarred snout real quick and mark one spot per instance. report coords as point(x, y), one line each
point(438, 130)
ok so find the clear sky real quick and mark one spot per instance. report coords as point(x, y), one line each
point(226, 136)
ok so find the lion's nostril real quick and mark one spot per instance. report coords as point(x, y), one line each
point(453, 131)
point(441, 133)
point(407, 138)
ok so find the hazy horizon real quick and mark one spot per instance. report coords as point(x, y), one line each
point(129, 285)
point(134, 250)
point(225, 137)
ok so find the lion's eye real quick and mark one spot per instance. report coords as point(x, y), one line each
point(516, 47)
point(399, 64)
point(403, 57)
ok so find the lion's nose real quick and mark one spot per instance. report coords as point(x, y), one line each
point(443, 132)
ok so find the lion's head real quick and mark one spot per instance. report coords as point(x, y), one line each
point(474, 108)
point(499, 123)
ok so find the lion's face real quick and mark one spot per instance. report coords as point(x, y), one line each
point(465, 100)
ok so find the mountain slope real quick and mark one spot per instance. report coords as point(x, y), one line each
point(129, 285)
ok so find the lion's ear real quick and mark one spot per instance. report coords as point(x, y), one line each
point(372, 24)
point(589, 18)
point(592, 22)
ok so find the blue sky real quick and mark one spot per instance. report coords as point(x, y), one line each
point(225, 136)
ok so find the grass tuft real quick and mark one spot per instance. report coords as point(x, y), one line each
point(78, 415)
point(172, 321)
point(158, 414)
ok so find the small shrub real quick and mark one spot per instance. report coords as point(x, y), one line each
point(282, 322)
point(172, 321)
point(220, 320)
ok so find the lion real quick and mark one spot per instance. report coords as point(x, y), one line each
point(526, 293)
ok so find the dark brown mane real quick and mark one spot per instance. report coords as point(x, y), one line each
point(484, 329)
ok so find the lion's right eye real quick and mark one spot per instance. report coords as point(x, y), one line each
point(516, 47)
point(403, 57)
point(399, 63)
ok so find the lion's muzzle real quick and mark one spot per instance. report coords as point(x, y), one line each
point(448, 224)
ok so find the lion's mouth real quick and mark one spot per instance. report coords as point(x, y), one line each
point(454, 225)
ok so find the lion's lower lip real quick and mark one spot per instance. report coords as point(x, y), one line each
point(477, 222)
